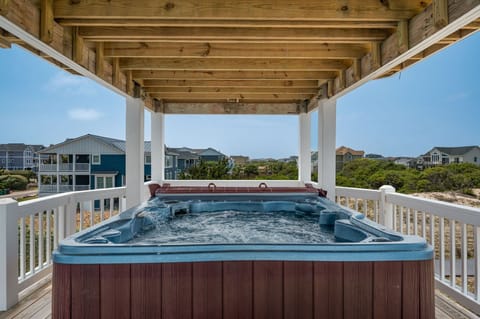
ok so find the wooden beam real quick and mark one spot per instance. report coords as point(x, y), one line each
point(130, 83)
point(235, 23)
point(330, 88)
point(115, 71)
point(233, 96)
point(440, 13)
point(234, 90)
point(232, 64)
point(232, 83)
point(372, 10)
point(402, 33)
point(46, 21)
point(357, 69)
point(77, 46)
point(4, 7)
point(235, 50)
point(376, 55)
point(232, 75)
point(135, 34)
point(231, 108)
point(4, 43)
point(99, 60)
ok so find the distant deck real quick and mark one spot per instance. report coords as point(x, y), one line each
point(38, 306)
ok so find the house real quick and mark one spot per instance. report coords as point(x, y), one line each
point(188, 157)
point(446, 155)
point(403, 160)
point(239, 159)
point(19, 156)
point(345, 154)
point(91, 162)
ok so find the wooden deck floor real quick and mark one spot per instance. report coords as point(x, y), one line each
point(38, 306)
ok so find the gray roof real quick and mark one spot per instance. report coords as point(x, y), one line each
point(19, 147)
point(455, 150)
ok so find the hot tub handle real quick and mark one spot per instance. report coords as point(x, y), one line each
point(263, 186)
point(212, 187)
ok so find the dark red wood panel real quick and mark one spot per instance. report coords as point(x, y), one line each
point(427, 292)
point(328, 290)
point(85, 291)
point(237, 289)
point(410, 290)
point(146, 291)
point(177, 290)
point(115, 291)
point(61, 291)
point(298, 289)
point(207, 290)
point(358, 290)
point(267, 289)
point(387, 290)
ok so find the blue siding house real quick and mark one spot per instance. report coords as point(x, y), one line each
point(90, 162)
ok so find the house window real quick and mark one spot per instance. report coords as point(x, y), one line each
point(456, 159)
point(103, 181)
point(148, 159)
point(168, 161)
point(475, 159)
point(96, 159)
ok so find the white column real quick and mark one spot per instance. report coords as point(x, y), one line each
point(8, 253)
point(134, 152)
point(158, 146)
point(327, 145)
point(304, 158)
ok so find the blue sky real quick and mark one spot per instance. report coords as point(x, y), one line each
point(434, 103)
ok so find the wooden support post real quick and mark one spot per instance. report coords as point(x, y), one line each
point(46, 21)
point(158, 146)
point(342, 80)
point(376, 55)
point(77, 46)
point(357, 69)
point(130, 83)
point(99, 59)
point(402, 32)
point(134, 151)
point(440, 13)
point(330, 88)
point(115, 71)
point(304, 158)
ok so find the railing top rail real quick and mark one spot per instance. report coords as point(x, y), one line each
point(465, 214)
point(369, 194)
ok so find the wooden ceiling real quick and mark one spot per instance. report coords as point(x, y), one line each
point(248, 56)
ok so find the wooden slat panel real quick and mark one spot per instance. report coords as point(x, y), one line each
point(207, 290)
point(237, 289)
point(328, 289)
point(387, 290)
point(115, 291)
point(146, 290)
point(298, 289)
point(427, 292)
point(410, 290)
point(180, 74)
point(85, 291)
point(61, 291)
point(358, 290)
point(177, 290)
point(267, 289)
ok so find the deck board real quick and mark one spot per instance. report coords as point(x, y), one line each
point(38, 306)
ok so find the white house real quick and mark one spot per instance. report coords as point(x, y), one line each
point(446, 155)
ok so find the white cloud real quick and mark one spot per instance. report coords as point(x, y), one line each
point(69, 84)
point(84, 114)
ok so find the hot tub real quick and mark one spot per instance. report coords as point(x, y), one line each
point(233, 255)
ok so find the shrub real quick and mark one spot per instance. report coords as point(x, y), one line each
point(13, 182)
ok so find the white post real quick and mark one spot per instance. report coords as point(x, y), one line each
point(8, 253)
point(386, 209)
point(134, 151)
point(327, 117)
point(304, 158)
point(158, 146)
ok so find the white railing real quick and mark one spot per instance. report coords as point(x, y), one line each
point(48, 167)
point(48, 188)
point(82, 187)
point(452, 230)
point(82, 167)
point(31, 230)
point(65, 188)
point(65, 167)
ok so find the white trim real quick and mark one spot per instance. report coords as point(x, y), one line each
point(99, 159)
point(304, 155)
point(327, 118)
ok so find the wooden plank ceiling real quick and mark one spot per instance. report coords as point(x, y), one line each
point(249, 56)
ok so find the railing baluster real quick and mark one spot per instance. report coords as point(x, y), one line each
point(92, 213)
point(365, 208)
point(40, 239)
point(48, 237)
point(356, 204)
point(81, 216)
point(32, 244)
point(395, 217)
point(55, 227)
point(22, 248)
point(424, 225)
point(110, 207)
point(464, 258)
point(408, 220)
point(441, 238)
point(401, 219)
point(415, 222)
point(453, 255)
point(476, 233)
point(102, 208)
point(375, 207)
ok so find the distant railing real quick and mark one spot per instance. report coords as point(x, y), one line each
point(82, 187)
point(31, 230)
point(82, 167)
point(48, 189)
point(65, 188)
point(452, 230)
point(48, 167)
point(65, 167)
